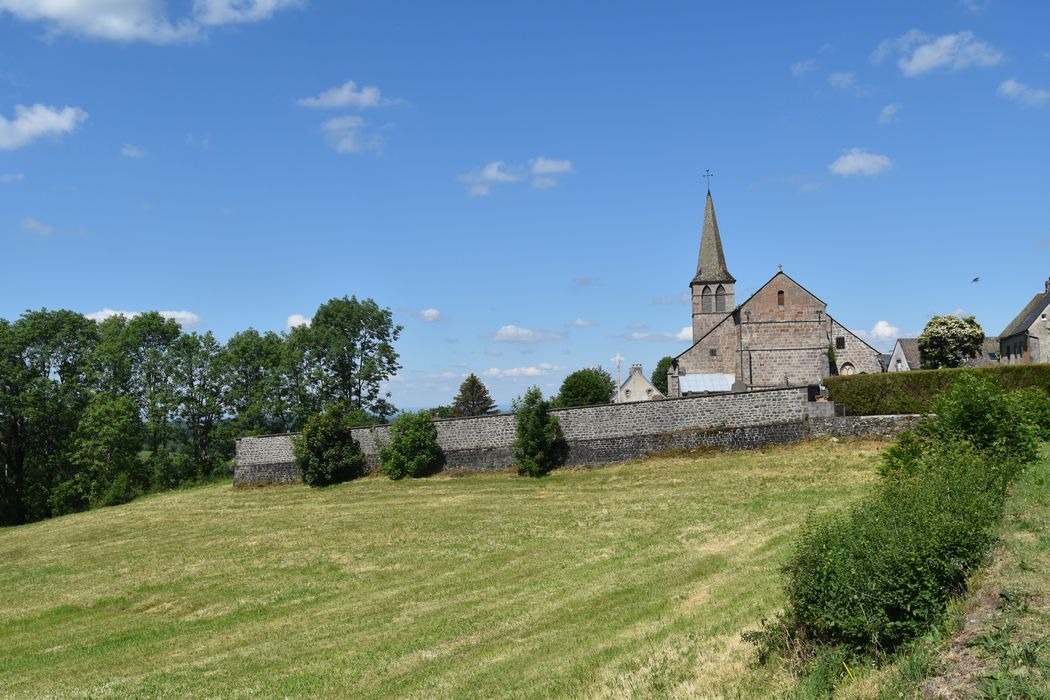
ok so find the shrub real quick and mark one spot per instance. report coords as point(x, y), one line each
point(917, 391)
point(412, 449)
point(326, 451)
point(1034, 404)
point(538, 443)
point(881, 572)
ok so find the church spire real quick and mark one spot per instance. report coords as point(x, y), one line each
point(711, 265)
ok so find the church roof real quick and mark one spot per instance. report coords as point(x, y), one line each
point(1028, 315)
point(711, 265)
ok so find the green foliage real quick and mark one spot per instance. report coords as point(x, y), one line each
point(947, 341)
point(538, 445)
point(1034, 404)
point(659, 378)
point(326, 451)
point(473, 398)
point(412, 448)
point(586, 387)
point(353, 344)
point(915, 392)
point(879, 573)
point(105, 453)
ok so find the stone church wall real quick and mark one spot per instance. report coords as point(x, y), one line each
point(594, 434)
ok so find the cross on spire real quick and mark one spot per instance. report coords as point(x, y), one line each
point(707, 176)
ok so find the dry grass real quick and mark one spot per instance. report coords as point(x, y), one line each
point(632, 580)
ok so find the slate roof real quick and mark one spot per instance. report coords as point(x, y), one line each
point(711, 265)
point(910, 348)
point(1028, 315)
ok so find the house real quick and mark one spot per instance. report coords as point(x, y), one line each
point(1026, 340)
point(637, 388)
point(906, 355)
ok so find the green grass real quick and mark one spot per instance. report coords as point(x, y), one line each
point(630, 580)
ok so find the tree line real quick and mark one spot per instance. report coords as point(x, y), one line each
point(95, 413)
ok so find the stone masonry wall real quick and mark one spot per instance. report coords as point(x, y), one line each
point(594, 434)
point(886, 427)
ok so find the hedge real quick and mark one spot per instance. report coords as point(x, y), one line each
point(915, 392)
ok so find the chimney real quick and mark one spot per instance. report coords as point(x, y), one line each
point(637, 369)
point(1048, 286)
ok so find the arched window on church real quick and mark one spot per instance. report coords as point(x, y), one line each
point(706, 305)
point(720, 298)
point(780, 298)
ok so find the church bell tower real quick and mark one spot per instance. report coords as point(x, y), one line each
point(713, 288)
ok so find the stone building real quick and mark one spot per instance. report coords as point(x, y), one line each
point(1027, 339)
point(782, 335)
point(637, 388)
point(906, 355)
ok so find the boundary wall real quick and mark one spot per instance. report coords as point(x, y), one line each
point(593, 434)
point(609, 433)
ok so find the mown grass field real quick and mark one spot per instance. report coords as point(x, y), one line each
point(635, 579)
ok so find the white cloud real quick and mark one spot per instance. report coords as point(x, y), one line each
point(800, 68)
point(857, 161)
point(1017, 91)
point(479, 182)
point(31, 123)
point(37, 227)
point(888, 115)
point(186, 319)
point(430, 315)
point(539, 370)
point(345, 95)
point(975, 6)
point(8, 178)
point(802, 183)
point(217, 12)
point(139, 20)
point(921, 53)
point(884, 330)
point(549, 166)
point(581, 323)
point(296, 320)
point(516, 334)
point(686, 334)
point(542, 170)
point(129, 151)
point(842, 81)
point(348, 134)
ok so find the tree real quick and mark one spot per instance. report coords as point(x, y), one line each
point(354, 345)
point(473, 398)
point(538, 444)
point(198, 391)
point(412, 449)
point(326, 451)
point(150, 340)
point(250, 365)
point(660, 374)
point(947, 341)
point(586, 387)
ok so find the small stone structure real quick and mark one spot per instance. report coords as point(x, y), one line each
point(603, 434)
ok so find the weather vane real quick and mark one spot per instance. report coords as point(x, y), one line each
point(708, 175)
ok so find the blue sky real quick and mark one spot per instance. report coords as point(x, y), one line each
point(520, 182)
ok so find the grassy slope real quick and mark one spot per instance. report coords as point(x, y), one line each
point(631, 579)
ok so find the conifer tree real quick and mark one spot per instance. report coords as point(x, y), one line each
point(473, 399)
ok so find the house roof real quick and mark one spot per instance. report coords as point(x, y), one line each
point(1028, 315)
point(910, 349)
point(711, 264)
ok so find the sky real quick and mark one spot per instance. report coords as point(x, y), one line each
point(520, 183)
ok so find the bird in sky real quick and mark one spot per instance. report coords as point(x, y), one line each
point(976, 279)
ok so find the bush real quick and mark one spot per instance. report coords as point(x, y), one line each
point(1034, 404)
point(879, 573)
point(916, 392)
point(413, 448)
point(326, 451)
point(538, 445)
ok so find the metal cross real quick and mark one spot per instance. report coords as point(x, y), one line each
point(708, 175)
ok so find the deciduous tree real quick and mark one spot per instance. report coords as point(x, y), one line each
point(947, 341)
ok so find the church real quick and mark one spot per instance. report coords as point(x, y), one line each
point(782, 335)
